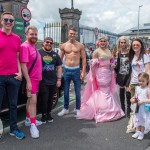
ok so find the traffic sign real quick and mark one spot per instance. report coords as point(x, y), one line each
point(26, 14)
point(19, 26)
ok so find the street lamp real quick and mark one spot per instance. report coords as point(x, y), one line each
point(138, 19)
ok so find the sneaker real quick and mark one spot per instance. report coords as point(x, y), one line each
point(141, 136)
point(34, 131)
point(63, 112)
point(146, 131)
point(77, 112)
point(43, 119)
point(130, 130)
point(49, 118)
point(19, 135)
point(136, 134)
point(28, 123)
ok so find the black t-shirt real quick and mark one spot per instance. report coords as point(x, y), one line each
point(123, 70)
point(50, 61)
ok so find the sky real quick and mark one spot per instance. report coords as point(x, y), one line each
point(113, 15)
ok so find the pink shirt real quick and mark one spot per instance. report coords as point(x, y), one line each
point(28, 55)
point(9, 46)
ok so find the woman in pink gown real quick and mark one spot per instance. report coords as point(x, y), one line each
point(98, 97)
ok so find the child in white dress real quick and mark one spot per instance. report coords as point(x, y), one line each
point(142, 98)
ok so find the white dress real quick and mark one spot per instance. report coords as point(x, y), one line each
point(142, 118)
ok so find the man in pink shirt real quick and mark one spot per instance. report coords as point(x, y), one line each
point(10, 70)
point(28, 55)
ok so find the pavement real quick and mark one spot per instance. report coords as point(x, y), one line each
point(68, 133)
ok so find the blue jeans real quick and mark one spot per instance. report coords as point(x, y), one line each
point(74, 75)
point(12, 85)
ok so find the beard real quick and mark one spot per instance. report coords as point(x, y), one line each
point(48, 48)
point(32, 40)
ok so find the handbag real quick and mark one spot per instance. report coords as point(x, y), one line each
point(147, 107)
point(23, 83)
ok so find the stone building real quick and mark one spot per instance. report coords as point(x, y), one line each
point(15, 6)
point(144, 33)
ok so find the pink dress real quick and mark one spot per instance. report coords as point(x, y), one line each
point(98, 97)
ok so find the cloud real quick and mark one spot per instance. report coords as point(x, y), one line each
point(112, 15)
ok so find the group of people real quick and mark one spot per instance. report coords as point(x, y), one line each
point(126, 69)
point(41, 69)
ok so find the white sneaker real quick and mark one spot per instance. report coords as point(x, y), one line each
point(146, 131)
point(28, 123)
point(77, 112)
point(63, 112)
point(141, 136)
point(130, 130)
point(136, 134)
point(34, 131)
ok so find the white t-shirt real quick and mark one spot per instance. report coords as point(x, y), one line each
point(138, 67)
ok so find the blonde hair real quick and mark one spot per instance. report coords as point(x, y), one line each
point(115, 52)
point(31, 28)
point(125, 39)
point(103, 37)
point(144, 75)
point(6, 13)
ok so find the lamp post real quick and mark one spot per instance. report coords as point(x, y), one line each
point(138, 19)
point(72, 4)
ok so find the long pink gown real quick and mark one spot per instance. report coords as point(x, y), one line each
point(98, 97)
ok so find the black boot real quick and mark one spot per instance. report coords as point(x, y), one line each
point(128, 97)
point(43, 119)
point(122, 98)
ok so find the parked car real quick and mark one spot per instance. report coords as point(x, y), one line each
point(22, 100)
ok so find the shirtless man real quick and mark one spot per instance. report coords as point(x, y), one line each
point(73, 51)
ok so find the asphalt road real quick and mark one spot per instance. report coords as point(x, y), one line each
point(67, 133)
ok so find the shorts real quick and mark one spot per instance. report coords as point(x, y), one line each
point(35, 86)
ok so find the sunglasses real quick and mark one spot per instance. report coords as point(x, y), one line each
point(7, 19)
point(123, 42)
point(103, 41)
point(47, 42)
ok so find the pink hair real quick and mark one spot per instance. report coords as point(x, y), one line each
point(97, 43)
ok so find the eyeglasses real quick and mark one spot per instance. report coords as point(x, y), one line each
point(7, 19)
point(123, 42)
point(48, 42)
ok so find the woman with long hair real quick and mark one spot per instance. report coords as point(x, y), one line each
point(123, 71)
point(140, 62)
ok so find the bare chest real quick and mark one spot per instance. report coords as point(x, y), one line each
point(72, 49)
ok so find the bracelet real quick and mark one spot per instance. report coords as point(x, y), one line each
point(58, 78)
